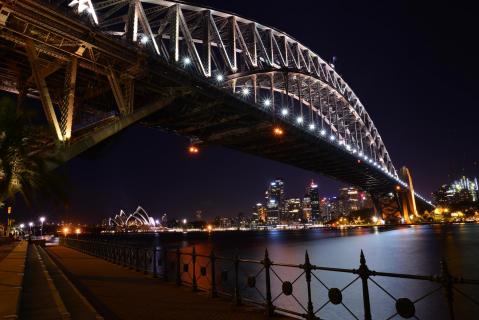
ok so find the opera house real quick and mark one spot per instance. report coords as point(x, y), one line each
point(138, 220)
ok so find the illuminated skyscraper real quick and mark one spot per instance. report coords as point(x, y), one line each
point(312, 192)
point(275, 201)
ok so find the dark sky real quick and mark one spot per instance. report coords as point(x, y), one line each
point(412, 63)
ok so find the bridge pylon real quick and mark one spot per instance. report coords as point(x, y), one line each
point(408, 198)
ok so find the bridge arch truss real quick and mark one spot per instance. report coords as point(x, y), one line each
point(244, 55)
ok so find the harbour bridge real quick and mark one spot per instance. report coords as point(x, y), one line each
point(213, 76)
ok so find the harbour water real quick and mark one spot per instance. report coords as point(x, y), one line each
point(411, 250)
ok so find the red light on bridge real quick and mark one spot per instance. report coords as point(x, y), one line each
point(277, 131)
point(193, 149)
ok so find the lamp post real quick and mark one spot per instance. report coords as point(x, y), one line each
point(30, 224)
point(42, 220)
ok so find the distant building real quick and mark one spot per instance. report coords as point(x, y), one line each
point(312, 192)
point(260, 213)
point(275, 201)
point(463, 190)
point(352, 199)
point(307, 209)
point(293, 210)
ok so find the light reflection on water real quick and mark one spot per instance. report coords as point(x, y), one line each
point(414, 250)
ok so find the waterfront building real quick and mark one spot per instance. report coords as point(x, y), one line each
point(275, 201)
point(312, 191)
point(260, 213)
point(293, 210)
point(353, 199)
point(307, 208)
point(463, 190)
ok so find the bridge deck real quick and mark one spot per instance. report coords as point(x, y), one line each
point(119, 293)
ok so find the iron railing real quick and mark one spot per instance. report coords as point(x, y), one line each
point(263, 282)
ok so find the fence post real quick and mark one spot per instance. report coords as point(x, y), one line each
point(269, 299)
point(145, 260)
point(307, 270)
point(178, 270)
point(237, 288)
point(364, 274)
point(165, 264)
point(137, 259)
point(446, 280)
point(214, 293)
point(194, 284)
point(155, 262)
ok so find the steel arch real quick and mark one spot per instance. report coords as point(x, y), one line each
point(216, 44)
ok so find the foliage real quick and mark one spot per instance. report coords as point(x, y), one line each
point(22, 167)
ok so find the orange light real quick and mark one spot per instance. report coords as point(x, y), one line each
point(210, 227)
point(193, 149)
point(398, 188)
point(277, 131)
point(66, 231)
point(77, 231)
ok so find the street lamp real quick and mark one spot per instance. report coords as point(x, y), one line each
point(30, 224)
point(77, 231)
point(42, 220)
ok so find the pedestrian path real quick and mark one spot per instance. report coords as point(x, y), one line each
point(11, 276)
point(120, 293)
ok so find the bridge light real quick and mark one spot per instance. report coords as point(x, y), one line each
point(284, 112)
point(311, 126)
point(331, 137)
point(299, 120)
point(398, 187)
point(267, 102)
point(348, 147)
point(144, 39)
point(219, 77)
point(277, 131)
point(375, 219)
point(323, 132)
point(245, 92)
point(192, 149)
point(186, 61)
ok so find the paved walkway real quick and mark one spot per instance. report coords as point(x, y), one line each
point(119, 293)
point(6, 248)
point(11, 275)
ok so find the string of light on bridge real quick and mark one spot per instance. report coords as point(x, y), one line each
point(334, 138)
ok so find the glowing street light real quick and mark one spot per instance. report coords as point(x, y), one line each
point(267, 102)
point(210, 227)
point(77, 231)
point(66, 231)
point(245, 92)
point(322, 132)
point(219, 77)
point(42, 220)
point(284, 112)
point(21, 226)
point(299, 120)
point(311, 126)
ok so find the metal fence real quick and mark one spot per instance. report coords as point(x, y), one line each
point(264, 283)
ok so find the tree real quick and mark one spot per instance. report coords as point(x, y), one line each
point(23, 167)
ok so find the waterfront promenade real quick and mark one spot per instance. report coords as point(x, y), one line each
point(120, 293)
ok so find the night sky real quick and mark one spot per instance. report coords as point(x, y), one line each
point(413, 65)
